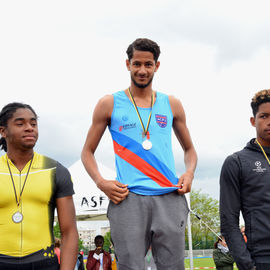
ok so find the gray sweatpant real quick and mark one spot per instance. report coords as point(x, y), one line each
point(140, 221)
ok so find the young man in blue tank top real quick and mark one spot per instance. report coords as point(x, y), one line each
point(147, 203)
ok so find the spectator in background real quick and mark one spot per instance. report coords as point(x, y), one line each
point(57, 251)
point(243, 228)
point(80, 262)
point(221, 255)
point(99, 259)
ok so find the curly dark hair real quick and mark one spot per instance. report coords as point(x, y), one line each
point(7, 113)
point(259, 98)
point(143, 44)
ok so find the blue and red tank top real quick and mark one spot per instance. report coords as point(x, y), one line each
point(147, 172)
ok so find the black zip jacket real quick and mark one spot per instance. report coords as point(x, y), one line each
point(245, 187)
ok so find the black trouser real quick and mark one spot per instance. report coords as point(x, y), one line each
point(47, 264)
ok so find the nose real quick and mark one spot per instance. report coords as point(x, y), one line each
point(29, 127)
point(142, 70)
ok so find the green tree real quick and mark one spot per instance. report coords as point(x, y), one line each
point(56, 230)
point(207, 209)
point(107, 242)
point(57, 233)
point(80, 245)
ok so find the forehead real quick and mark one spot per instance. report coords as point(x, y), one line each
point(264, 107)
point(22, 113)
point(142, 56)
point(99, 240)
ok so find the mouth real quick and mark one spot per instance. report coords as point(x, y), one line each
point(29, 137)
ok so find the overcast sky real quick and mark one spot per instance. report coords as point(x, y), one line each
point(61, 57)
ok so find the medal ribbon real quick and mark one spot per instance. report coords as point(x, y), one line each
point(145, 130)
point(15, 193)
point(263, 151)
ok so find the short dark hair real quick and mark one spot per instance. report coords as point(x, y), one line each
point(99, 237)
point(143, 44)
point(259, 98)
point(7, 113)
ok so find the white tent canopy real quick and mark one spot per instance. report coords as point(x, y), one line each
point(88, 199)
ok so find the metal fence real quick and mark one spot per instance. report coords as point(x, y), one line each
point(200, 253)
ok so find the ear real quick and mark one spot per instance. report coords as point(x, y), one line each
point(252, 121)
point(157, 66)
point(2, 132)
point(128, 64)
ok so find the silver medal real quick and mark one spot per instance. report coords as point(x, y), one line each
point(17, 217)
point(147, 145)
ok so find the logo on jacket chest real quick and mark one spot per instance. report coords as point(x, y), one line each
point(258, 167)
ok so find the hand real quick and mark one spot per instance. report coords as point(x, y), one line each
point(185, 182)
point(98, 250)
point(115, 191)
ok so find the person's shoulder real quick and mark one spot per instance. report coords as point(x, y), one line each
point(3, 158)
point(234, 157)
point(107, 99)
point(232, 164)
point(91, 252)
point(46, 162)
point(3, 162)
point(174, 101)
point(107, 253)
point(217, 253)
point(176, 106)
point(105, 103)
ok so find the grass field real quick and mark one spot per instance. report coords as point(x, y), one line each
point(198, 263)
point(202, 262)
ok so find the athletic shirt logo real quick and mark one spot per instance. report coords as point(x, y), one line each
point(258, 164)
point(161, 120)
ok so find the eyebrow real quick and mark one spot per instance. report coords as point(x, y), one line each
point(21, 119)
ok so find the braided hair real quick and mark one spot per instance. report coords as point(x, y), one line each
point(259, 98)
point(7, 113)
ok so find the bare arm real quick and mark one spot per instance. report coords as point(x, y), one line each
point(101, 119)
point(183, 136)
point(69, 233)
